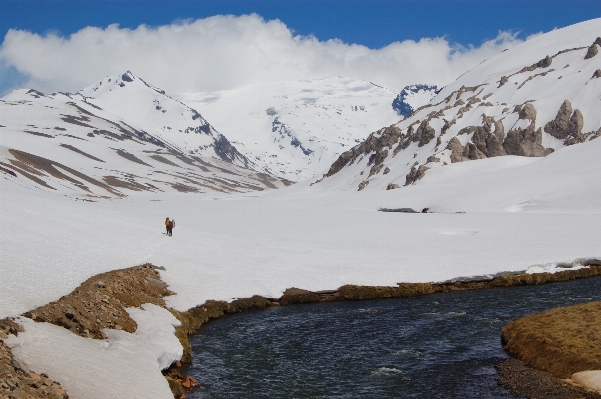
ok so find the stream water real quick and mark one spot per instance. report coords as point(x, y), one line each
point(436, 346)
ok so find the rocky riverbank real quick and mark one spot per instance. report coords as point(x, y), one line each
point(531, 383)
point(100, 303)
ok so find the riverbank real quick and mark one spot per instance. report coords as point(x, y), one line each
point(101, 302)
point(531, 383)
point(564, 341)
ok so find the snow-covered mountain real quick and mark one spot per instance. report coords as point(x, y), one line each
point(297, 129)
point(412, 97)
point(530, 101)
point(116, 137)
point(177, 125)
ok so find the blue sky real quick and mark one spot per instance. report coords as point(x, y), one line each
point(374, 24)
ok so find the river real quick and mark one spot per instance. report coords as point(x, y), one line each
point(436, 346)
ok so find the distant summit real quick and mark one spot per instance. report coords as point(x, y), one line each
point(412, 97)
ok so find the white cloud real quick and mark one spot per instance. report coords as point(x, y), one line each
point(223, 52)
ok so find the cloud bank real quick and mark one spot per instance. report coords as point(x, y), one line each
point(224, 52)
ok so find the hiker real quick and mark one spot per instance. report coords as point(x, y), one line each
point(171, 226)
point(168, 226)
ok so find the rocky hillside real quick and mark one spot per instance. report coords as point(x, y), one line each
point(116, 137)
point(527, 101)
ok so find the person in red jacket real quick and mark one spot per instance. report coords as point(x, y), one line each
point(168, 226)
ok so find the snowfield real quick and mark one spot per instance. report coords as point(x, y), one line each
point(518, 215)
point(296, 129)
point(229, 246)
point(490, 215)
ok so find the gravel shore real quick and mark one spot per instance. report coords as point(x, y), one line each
point(535, 384)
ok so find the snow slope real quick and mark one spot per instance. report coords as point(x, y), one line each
point(296, 129)
point(229, 246)
point(530, 100)
point(60, 142)
point(149, 108)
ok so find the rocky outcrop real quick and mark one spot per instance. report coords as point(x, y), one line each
point(456, 150)
point(392, 186)
point(527, 111)
point(378, 141)
point(415, 174)
point(227, 152)
point(593, 50)
point(567, 125)
point(526, 142)
point(375, 170)
point(487, 141)
point(424, 134)
point(363, 184)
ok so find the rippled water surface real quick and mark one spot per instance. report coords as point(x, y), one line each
point(437, 346)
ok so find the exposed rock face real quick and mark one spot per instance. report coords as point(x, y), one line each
point(386, 170)
point(392, 186)
point(485, 142)
point(488, 142)
point(593, 50)
point(456, 150)
point(226, 151)
point(363, 184)
point(526, 142)
point(375, 169)
point(545, 62)
point(568, 125)
point(424, 134)
point(528, 112)
point(415, 174)
point(377, 141)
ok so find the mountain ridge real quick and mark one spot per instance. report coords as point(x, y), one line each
point(531, 100)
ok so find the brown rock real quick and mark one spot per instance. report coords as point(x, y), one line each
point(392, 186)
point(415, 174)
point(363, 184)
point(567, 125)
point(591, 52)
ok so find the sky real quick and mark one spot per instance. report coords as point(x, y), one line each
point(218, 45)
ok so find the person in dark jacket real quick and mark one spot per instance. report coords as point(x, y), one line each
point(171, 226)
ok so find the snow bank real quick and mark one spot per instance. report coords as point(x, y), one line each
point(122, 365)
point(590, 379)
